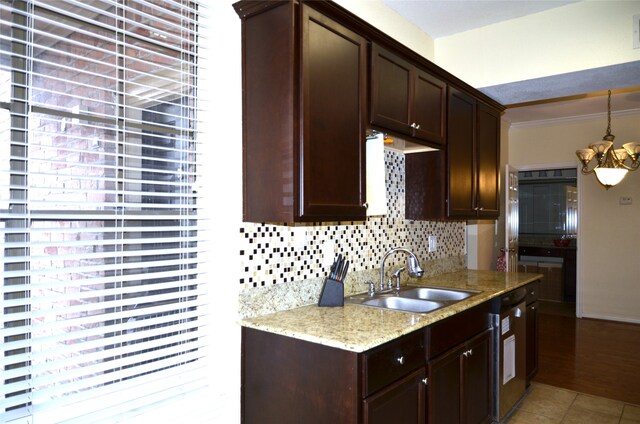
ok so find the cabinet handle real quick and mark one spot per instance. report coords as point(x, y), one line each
point(481, 209)
point(468, 353)
point(533, 308)
point(413, 125)
point(418, 126)
point(400, 360)
point(366, 205)
point(425, 381)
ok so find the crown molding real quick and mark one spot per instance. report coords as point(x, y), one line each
point(570, 119)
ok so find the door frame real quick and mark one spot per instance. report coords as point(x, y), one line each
point(579, 176)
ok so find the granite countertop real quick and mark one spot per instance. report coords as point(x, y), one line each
point(359, 328)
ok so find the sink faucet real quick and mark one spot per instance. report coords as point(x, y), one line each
point(413, 266)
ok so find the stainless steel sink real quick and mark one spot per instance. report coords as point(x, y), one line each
point(436, 294)
point(418, 300)
point(403, 304)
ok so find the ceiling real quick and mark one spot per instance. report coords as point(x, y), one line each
point(575, 94)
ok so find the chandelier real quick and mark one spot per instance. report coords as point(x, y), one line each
point(611, 164)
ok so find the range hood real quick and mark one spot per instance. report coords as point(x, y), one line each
point(398, 144)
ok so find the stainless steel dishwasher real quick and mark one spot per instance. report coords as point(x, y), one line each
point(508, 314)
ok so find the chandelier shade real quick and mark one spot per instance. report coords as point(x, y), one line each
point(610, 164)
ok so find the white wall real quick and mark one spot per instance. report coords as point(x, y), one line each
point(578, 36)
point(222, 190)
point(608, 251)
point(391, 23)
point(481, 236)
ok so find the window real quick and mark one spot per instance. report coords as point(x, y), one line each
point(102, 296)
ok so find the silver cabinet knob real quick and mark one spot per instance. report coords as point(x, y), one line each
point(366, 205)
point(400, 360)
point(425, 381)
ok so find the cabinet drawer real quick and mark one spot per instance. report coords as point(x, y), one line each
point(452, 331)
point(389, 362)
point(533, 292)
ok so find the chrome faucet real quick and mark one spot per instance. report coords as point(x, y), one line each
point(413, 267)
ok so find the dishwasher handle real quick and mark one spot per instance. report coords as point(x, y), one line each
point(517, 313)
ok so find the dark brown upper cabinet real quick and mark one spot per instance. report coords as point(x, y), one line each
point(304, 114)
point(488, 162)
point(461, 181)
point(406, 100)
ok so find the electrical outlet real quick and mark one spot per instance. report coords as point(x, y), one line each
point(299, 237)
point(433, 243)
point(626, 200)
point(636, 31)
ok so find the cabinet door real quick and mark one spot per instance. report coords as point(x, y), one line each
point(429, 107)
point(532, 341)
point(460, 154)
point(443, 390)
point(488, 161)
point(402, 402)
point(391, 88)
point(476, 381)
point(332, 147)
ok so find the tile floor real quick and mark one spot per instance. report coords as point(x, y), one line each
point(545, 404)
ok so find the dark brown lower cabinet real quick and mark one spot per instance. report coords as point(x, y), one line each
point(287, 380)
point(532, 330)
point(439, 374)
point(459, 389)
point(532, 341)
point(401, 402)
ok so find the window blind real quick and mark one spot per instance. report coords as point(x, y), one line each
point(102, 294)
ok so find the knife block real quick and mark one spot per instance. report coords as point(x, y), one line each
point(332, 293)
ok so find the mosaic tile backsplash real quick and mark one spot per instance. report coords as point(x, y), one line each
point(274, 254)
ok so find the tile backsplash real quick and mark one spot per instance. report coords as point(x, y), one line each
point(272, 254)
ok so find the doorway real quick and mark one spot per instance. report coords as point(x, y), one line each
point(547, 234)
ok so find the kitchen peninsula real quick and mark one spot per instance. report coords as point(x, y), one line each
point(362, 364)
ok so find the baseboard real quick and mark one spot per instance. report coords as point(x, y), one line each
point(612, 318)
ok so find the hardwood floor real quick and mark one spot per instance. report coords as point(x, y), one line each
point(600, 358)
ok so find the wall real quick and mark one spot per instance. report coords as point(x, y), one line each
point(592, 33)
point(221, 177)
point(607, 235)
point(391, 23)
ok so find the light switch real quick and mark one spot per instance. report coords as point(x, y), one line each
point(626, 200)
point(328, 252)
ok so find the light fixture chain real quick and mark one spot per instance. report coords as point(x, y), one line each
point(609, 114)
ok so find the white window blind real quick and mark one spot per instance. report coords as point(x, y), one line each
point(102, 294)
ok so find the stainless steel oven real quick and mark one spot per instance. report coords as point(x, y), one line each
point(509, 344)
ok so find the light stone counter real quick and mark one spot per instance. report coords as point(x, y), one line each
point(359, 328)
